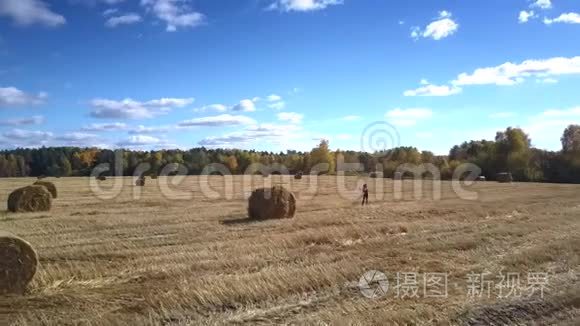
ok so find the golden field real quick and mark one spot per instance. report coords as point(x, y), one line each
point(190, 259)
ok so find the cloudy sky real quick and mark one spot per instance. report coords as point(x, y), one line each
point(281, 74)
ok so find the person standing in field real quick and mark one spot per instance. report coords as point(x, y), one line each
point(365, 191)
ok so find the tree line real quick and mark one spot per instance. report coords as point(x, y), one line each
point(511, 151)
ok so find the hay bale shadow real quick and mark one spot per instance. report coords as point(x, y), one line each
point(16, 216)
point(239, 221)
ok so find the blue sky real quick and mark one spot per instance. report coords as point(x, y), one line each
point(281, 74)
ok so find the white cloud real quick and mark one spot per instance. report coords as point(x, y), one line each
point(444, 14)
point(17, 138)
point(542, 4)
point(439, 29)
point(277, 105)
point(34, 120)
point(175, 13)
point(568, 113)
point(169, 146)
point(568, 18)
point(171, 102)
point(127, 19)
point(512, 73)
point(220, 120)
point(547, 81)
point(131, 109)
point(225, 141)
point(433, 90)
point(140, 140)
point(302, 5)
point(29, 12)
point(546, 128)
point(502, 115)
point(408, 117)
point(76, 137)
point(274, 98)
point(525, 16)
point(149, 130)
point(114, 126)
point(351, 118)
point(94, 2)
point(212, 107)
point(124, 109)
point(257, 133)
point(12, 96)
point(415, 32)
point(506, 74)
point(276, 102)
point(291, 117)
point(245, 106)
point(266, 129)
point(19, 134)
point(110, 12)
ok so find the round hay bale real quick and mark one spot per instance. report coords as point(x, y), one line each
point(30, 199)
point(49, 186)
point(298, 176)
point(504, 177)
point(140, 182)
point(271, 203)
point(18, 262)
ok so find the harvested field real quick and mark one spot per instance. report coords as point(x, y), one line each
point(143, 258)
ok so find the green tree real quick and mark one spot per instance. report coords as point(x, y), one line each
point(322, 154)
point(65, 166)
point(513, 149)
point(427, 157)
point(156, 162)
point(232, 164)
point(571, 139)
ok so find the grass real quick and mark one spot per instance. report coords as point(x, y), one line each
point(151, 260)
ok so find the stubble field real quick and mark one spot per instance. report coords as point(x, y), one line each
point(146, 259)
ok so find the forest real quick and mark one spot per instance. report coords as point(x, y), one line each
point(511, 151)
